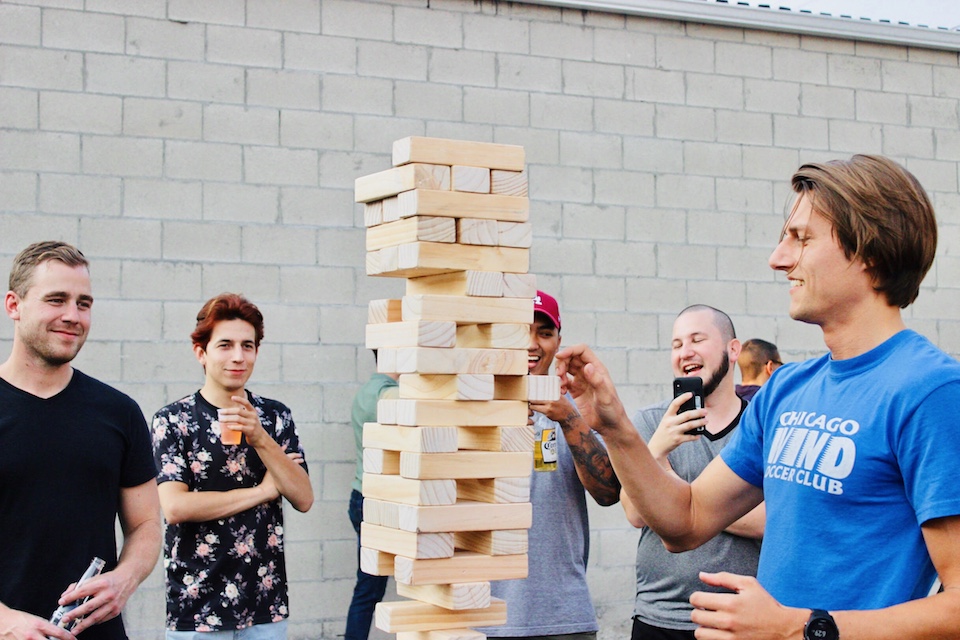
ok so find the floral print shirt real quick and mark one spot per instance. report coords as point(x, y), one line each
point(223, 574)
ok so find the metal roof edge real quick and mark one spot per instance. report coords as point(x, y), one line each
point(774, 18)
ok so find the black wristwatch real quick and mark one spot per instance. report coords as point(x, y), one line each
point(820, 626)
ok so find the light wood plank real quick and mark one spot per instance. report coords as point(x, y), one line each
point(465, 464)
point(487, 284)
point(410, 615)
point(465, 386)
point(381, 461)
point(376, 563)
point(543, 388)
point(437, 413)
point(431, 360)
point(495, 543)
point(464, 566)
point(442, 634)
point(495, 438)
point(391, 209)
point(480, 232)
point(465, 515)
point(373, 213)
point(387, 310)
point(459, 204)
point(416, 259)
point(426, 228)
point(451, 152)
point(384, 184)
point(466, 310)
point(496, 490)
point(519, 285)
point(406, 491)
point(418, 333)
point(406, 543)
point(496, 335)
point(455, 597)
point(472, 179)
point(509, 183)
point(418, 439)
point(511, 234)
point(383, 512)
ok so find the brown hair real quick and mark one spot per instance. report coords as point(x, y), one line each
point(880, 215)
point(754, 356)
point(226, 306)
point(26, 262)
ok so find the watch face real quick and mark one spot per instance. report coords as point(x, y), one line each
point(821, 629)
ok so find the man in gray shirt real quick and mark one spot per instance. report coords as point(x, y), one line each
point(704, 344)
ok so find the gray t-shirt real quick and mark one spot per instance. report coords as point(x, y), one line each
point(665, 580)
point(554, 598)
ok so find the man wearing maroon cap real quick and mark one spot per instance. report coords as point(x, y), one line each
point(554, 599)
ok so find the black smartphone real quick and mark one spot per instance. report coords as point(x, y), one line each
point(694, 384)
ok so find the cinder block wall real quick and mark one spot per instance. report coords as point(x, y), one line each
point(194, 147)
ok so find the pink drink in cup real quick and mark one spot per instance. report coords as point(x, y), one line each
point(227, 434)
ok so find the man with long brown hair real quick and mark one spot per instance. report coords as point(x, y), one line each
point(854, 452)
point(221, 496)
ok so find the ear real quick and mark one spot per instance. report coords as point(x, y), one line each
point(769, 367)
point(201, 354)
point(11, 304)
point(734, 348)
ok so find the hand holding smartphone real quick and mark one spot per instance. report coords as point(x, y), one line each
point(695, 385)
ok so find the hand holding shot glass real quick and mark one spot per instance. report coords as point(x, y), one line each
point(229, 420)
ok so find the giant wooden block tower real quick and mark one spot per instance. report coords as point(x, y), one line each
point(447, 465)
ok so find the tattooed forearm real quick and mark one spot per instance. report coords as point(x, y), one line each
point(592, 461)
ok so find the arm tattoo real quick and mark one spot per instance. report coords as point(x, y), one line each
point(592, 461)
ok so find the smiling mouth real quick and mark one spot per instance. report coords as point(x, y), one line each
point(796, 283)
point(692, 368)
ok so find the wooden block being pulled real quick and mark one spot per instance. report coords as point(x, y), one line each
point(464, 566)
point(384, 184)
point(451, 152)
point(459, 204)
point(432, 360)
point(381, 461)
point(509, 183)
point(519, 285)
point(387, 310)
point(442, 634)
point(418, 333)
point(472, 179)
point(465, 310)
point(419, 439)
point(495, 438)
point(465, 515)
point(494, 543)
point(510, 234)
point(482, 232)
point(406, 543)
point(376, 563)
point(465, 464)
point(436, 413)
point(427, 228)
point(543, 388)
point(464, 386)
point(455, 597)
point(497, 490)
point(410, 615)
point(397, 489)
point(494, 336)
point(417, 259)
point(487, 284)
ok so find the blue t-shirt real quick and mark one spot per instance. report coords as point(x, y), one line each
point(853, 456)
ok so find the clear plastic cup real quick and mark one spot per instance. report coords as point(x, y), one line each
point(228, 435)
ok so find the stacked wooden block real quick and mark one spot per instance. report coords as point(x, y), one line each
point(447, 465)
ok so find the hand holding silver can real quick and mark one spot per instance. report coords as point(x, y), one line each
point(96, 566)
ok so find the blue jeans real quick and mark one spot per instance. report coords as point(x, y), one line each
point(266, 631)
point(369, 589)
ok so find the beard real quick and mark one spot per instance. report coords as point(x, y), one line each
point(710, 384)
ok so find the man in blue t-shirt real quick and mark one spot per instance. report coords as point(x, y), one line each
point(852, 452)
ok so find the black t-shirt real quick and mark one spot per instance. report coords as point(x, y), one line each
point(63, 461)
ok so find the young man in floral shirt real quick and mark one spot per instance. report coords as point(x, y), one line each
point(223, 552)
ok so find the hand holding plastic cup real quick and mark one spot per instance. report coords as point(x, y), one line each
point(228, 435)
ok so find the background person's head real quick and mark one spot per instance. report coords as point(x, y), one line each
point(758, 360)
point(703, 344)
point(544, 334)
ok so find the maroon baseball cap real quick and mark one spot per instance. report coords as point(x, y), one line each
point(547, 305)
